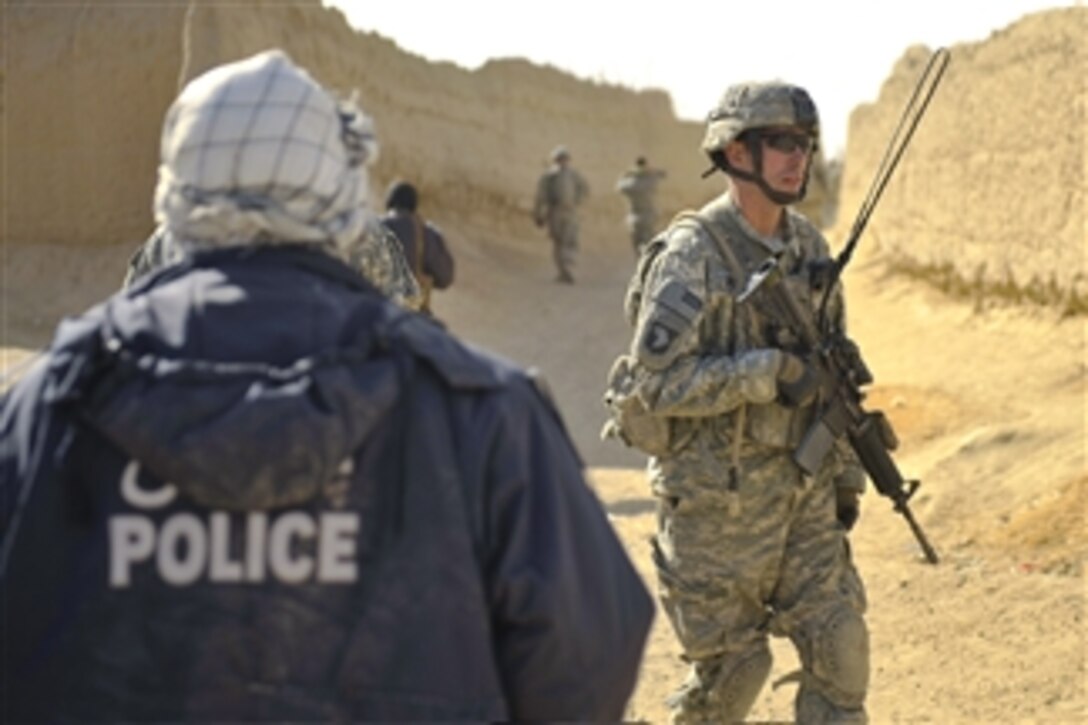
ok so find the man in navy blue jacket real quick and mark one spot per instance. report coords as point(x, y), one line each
point(423, 243)
point(249, 487)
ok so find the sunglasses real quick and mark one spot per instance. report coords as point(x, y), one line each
point(787, 141)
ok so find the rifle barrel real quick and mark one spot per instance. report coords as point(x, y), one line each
point(897, 145)
point(927, 548)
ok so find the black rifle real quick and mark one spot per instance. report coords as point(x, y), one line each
point(837, 359)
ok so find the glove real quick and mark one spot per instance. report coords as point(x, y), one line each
point(798, 382)
point(847, 506)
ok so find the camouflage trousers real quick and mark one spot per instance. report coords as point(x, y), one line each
point(768, 558)
point(563, 230)
point(641, 229)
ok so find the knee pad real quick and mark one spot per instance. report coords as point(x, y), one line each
point(736, 690)
point(812, 708)
point(839, 658)
point(722, 689)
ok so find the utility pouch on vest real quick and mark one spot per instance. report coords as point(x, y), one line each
point(629, 420)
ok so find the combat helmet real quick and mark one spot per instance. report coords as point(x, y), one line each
point(747, 106)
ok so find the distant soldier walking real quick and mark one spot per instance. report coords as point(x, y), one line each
point(559, 192)
point(639, 185)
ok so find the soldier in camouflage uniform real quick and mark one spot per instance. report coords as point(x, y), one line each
point(559, 192)
point(747, 545)
point(639, 185)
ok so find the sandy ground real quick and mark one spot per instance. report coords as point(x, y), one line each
point(989, 404)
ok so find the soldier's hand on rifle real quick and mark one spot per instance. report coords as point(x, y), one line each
point(847, 506)
point(798, 382)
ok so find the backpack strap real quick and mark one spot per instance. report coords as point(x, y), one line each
point(721, 240)
point(632, 301)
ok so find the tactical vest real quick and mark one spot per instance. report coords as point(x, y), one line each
point(771, 425)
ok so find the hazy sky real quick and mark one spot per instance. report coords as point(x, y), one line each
point(841, 50)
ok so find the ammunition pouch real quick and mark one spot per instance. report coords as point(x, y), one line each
point(777, 426)
point(767, 428)
point(628, 417)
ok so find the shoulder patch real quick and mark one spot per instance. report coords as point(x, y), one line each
point(659, 337)
point(673, 313)
point(680, 300)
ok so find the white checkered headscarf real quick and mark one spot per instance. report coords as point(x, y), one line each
point(256, 152)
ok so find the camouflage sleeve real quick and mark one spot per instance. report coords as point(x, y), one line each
point(380, 258)
point(851, 474)
point(137, 267)
point(153, 254)
point(681, 376)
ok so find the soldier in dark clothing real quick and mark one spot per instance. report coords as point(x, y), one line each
point(424, 246)
point(250, 487)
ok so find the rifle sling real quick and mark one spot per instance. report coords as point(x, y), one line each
point(421, 277)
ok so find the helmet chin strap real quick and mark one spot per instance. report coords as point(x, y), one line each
point(782, 198)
